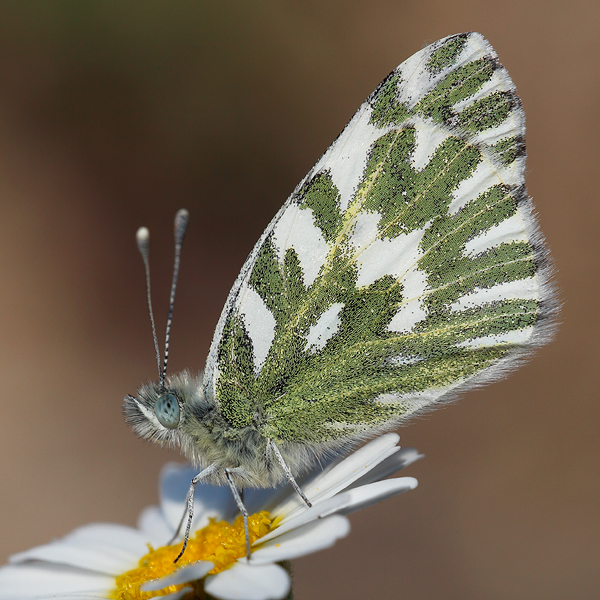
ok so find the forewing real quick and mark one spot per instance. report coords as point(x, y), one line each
point(405, 266)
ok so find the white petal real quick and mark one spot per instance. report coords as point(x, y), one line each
point(316, 511)
point(176, 595)
point(315, 536)
point(94, 595)
point(246, 582)
point(154, 526)
point(345, 503)
point(257, 499)
point(24, 582)
point(110, 535)
point(80, 556)
point(79, 596)
point(403, 458)
point(210, 501)
point(364, 496)
point(191, 572)
point(340, 475)
point(104, 548)
point(174, 485)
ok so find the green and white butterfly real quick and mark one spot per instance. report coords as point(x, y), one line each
point(406, 267)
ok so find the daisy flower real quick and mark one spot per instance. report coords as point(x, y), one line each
point(115, 562)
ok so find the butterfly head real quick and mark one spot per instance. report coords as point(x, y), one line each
point(162, 413)
point(180, 414)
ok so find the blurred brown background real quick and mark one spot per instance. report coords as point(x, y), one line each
point(115, 114)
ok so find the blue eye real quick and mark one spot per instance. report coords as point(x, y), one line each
point(167, 410)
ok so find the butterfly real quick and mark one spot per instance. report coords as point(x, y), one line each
point(406, 267)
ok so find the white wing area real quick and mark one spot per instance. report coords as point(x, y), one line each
point(346, 160)
point(296, 229)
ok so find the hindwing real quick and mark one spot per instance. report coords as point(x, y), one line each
point(405, 266)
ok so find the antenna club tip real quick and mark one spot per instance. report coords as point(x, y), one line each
point(181, 222)
point(142, 234)
point(142, 238)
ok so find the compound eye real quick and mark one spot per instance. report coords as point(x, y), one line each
point(167, 410)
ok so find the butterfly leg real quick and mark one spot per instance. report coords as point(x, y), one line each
point(242, 509)
point(189, 510)
point(287, 472)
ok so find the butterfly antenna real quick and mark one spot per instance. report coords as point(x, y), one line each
point(142, 238)
point(181, 223)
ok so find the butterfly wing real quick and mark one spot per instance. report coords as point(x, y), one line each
point(406, 266)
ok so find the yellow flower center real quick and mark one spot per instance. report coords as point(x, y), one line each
point(219, 542)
